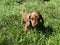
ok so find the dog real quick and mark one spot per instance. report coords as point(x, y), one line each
point(34, 19)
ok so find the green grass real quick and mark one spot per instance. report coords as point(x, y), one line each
point(11, 32)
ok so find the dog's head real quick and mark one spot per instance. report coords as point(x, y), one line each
point(34, 18)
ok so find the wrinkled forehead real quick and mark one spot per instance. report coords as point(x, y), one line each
point(34, 15)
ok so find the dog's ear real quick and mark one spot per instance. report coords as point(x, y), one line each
point(29, 17)
point(41, 19)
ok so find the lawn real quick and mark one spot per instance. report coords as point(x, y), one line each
point(11, 32)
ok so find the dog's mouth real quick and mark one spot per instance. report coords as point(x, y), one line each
point(31, 24)
point(34, 25)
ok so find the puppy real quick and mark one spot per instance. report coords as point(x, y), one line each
point(32, 19)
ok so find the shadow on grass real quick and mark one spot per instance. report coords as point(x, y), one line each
point(47, 31)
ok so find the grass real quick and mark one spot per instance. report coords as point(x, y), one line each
point(11, 32)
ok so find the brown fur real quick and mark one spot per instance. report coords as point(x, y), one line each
point(30, 17)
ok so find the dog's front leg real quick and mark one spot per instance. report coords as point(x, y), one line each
point(26, 26)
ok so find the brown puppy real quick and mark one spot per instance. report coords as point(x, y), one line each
point(32, 18)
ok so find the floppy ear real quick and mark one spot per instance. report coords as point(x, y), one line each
point(41, 19)
point(29, 16)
